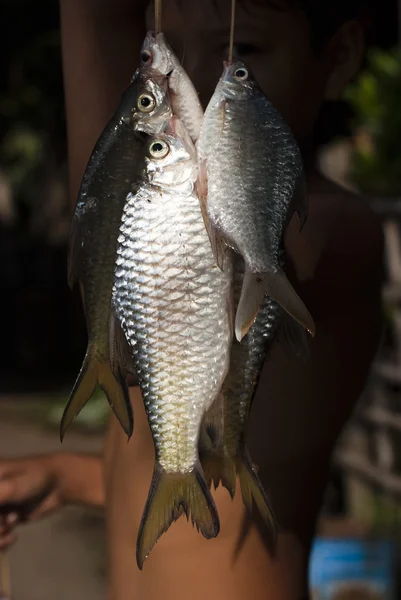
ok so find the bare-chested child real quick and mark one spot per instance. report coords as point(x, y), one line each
point(302, 52)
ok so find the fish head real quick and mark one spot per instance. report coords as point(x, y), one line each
point(156, 57)
point(150, 108)
point(171, 158)
point(237, 80)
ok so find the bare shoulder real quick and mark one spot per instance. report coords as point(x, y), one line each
point(342, 238)
point(301, 407)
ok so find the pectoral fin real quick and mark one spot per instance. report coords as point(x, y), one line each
point(280, 289)
point(277, 286)
point(76, 239)
point(219, 247)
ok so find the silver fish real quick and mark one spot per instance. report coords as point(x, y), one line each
point(251, 180)
point(224, 453)
point(116, 162)
point(159, 60)
point(175, 306)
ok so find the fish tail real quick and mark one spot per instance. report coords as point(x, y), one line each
point(116, 390)
point(276, 285)
point(83, 389)
point(219, 468)
point(253, 493)
point(98, 372)
point(169, 496)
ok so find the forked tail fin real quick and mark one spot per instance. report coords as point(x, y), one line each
point(253, 493)
point(169, 496)
point(98, 372)
point(219, 468)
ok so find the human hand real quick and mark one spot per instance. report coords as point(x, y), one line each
point(29, 490)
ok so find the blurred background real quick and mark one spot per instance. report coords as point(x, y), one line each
point(355, 554)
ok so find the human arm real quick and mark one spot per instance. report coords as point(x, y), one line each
point(35, 487)
point(100, 45)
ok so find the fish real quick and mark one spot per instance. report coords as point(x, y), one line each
point(250, 183)
point(223, 450)
point(175, 307)
point(115, 163)
point(159, 60)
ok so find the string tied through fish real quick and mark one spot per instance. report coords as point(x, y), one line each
point(158, 16)
point(232, 27)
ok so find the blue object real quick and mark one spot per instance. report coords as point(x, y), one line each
point(341, 565)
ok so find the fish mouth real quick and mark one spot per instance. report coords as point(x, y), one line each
point(227, 70)
point(154, 36)
point(227, 77)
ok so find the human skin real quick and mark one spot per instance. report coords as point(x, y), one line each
point(335, 265)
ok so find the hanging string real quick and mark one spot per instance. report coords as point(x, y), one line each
point(158, 16)
point(232, 26)
point(5, 577)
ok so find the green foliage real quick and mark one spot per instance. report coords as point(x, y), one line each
point(94, 416)
point(376, 100)
point(22, 151)
point(32, 123)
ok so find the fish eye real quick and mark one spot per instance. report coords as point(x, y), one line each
point(159, 149)
point(241, 74)
point(146, 103)
point(146, 57)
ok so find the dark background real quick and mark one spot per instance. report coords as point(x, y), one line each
point(43, 334)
